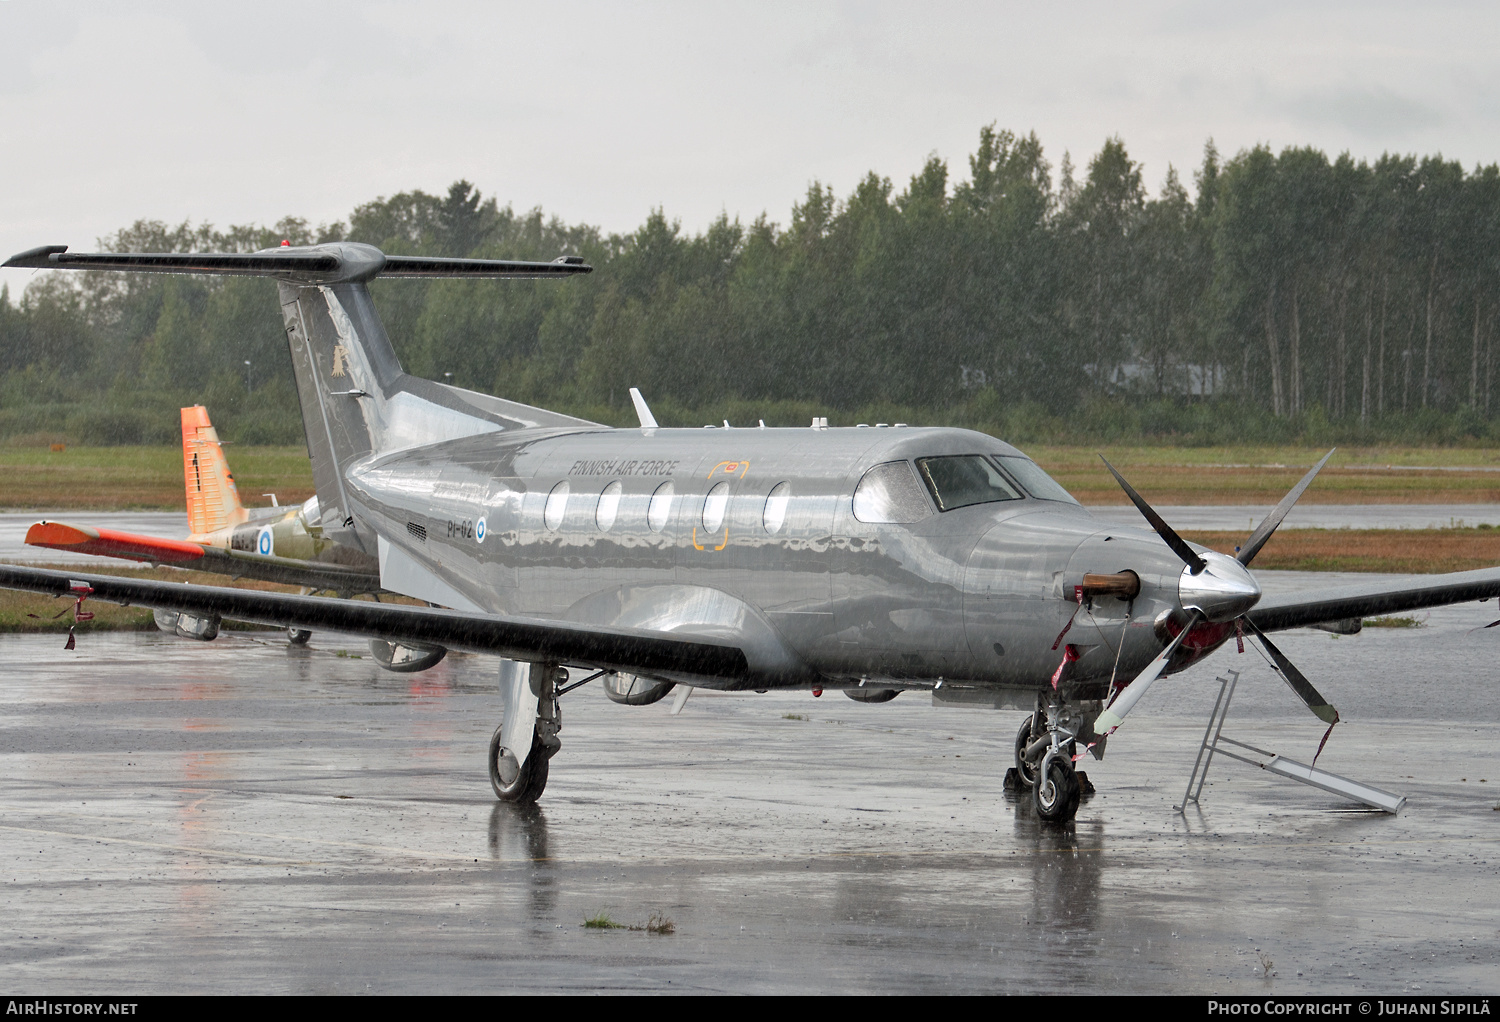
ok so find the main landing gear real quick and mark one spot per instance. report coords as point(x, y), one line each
point(527, 738)
point(1045, 748)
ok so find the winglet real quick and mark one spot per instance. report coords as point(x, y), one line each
point(648, 421)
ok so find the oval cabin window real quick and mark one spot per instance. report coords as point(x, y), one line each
point(557, 506)
point(609, 506)
point(776, 505)
point(660, 510)
point(714, 505)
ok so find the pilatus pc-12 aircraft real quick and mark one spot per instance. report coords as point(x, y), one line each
point(871, 560)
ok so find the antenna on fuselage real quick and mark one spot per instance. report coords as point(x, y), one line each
point(648, 421)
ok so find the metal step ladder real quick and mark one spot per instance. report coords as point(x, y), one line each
point(1214, 741)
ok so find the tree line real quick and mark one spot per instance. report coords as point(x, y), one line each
point(1286, 295)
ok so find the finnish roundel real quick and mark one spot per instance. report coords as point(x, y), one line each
point(264, 543)
point(479, 531)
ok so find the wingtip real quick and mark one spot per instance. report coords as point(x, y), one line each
point(34, 258)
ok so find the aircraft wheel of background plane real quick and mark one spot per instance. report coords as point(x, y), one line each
point(298, 636)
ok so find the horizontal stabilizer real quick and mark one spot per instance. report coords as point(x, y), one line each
point(57, 257)
point(422, 266)
point(318, 264)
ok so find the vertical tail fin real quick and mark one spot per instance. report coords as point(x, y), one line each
point(213, 501)
point(355, 399)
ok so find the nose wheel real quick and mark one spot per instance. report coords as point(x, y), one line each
point(1055, 797)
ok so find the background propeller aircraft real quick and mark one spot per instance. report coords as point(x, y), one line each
point(277, 544)
point(868, 560)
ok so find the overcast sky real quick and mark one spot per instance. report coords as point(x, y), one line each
point(598, 112)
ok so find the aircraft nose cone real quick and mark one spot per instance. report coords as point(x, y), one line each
point(1220, 592)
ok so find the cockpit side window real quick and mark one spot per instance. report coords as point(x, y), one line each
point(889, 494)
point(964, 479)
point(1037, 483)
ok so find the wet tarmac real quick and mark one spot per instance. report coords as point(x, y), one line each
point(242, 816)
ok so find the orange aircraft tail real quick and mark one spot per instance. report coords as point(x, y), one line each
point(213, 502)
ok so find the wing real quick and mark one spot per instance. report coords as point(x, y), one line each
point(81, 539)
point(1294, 610)
point(625, 649)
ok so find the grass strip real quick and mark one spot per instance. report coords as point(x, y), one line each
point(1397, 551)
point(150, 478)
point(139, 478)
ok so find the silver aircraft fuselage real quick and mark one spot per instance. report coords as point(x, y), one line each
point(616, 527)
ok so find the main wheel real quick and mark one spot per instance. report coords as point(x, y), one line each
point(298, 636)
point(1024, 770)
point(513, 783)
point(1055, 798)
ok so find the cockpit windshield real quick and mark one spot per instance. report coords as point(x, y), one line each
point(964, 479)
point(1037, 483)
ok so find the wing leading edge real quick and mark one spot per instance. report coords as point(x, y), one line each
point(1415, 592)
point(632, 650)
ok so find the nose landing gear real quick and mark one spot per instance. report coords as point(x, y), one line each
point(1044, 750)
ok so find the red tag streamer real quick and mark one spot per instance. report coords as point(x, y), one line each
point(1323, 743)
point(1239, 633)
point(83, 592)
point(1077, 598)
point(1070, 654)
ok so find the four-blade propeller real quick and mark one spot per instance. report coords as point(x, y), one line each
point(1124, 698)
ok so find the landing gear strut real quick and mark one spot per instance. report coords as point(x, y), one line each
point(527, 738)
point(1045, 748)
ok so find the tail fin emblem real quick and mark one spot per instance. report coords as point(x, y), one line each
point(340, 360)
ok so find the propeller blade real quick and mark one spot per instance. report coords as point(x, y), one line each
point(1127, 697)
point(1177, 543)
point(1262, 533)
point(1297, 680)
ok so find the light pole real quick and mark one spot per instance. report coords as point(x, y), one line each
point(247, 376)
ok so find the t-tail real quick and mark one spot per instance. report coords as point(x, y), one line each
point(355, 398)
point(213, 501)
